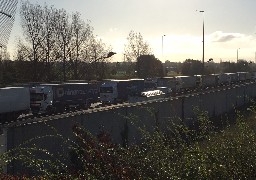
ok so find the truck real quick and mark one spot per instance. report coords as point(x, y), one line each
point(223, 79)
point(14, 101)
point(137, 86)
point(244, 76)
point(168, 82)
point(118, 91)
point(54, 98)
point(184, 83)
point(150, 84)
point(233, 77)
point(204, 81)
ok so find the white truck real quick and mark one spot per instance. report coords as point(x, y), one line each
point(14, 101)
point(204, 81)
point(184, 83)
point(51, 98)
point(115, 91)
point(223, 79)
point(232, 77)
point(119, 91)
point(168, 82)
point(244, 76)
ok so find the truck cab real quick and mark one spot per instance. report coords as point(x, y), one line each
point(41, 99)
point(108, 92)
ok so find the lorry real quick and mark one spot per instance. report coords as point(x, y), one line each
point(223, 79)
point(53, 98)
point(118, 91)
point(244, 76)
point(14, 101)
point(168, 82)
point(184, 83)
point(204, 81)
point(232, 77)
point(137, 86)
point(150, 84)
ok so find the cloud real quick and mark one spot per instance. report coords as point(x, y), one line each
point(219, 36)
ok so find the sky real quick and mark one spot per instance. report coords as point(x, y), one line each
point(172, 28)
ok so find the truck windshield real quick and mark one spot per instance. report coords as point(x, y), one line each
point(36, 96)
point(106, 89)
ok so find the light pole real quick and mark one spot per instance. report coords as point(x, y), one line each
point(203, 45)
point(255, 58)
point(237, 55)
point(163, 47)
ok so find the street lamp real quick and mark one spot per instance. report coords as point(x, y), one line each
point(237, 55)
point(163, 47)
point(203, 45)
point(255, 58)
point(110, 54)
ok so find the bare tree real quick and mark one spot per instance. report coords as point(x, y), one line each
point(53, 37)
point(136, 46)
point(82, 34)
point(50, 40)
point(97, 57)
point(64, 32)
point(32, 24)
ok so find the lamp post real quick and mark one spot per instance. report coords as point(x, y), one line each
point(203, 45)
point(237, 55)
point(163, 47)
point(255, 58)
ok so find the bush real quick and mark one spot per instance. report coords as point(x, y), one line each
point(177, 153)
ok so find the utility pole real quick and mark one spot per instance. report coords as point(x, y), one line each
point(163, 47)
point(203, 45)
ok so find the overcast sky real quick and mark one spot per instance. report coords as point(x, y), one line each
point(229, 25)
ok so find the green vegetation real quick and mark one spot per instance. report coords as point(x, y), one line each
point(206, 152)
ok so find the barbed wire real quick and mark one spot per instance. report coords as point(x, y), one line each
point(7, 17)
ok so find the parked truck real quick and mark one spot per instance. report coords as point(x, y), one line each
point(233, 77)
point(168, 82)
point(136, 86)
point(14, 101)
point(184, 83)
point(118, 91)
point(51, 98)
point(244, 76)
point(223, 79)
point(204, 81)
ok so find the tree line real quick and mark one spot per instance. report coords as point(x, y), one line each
point(58, 46)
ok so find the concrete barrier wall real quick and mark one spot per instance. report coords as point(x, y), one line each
point(122, 123)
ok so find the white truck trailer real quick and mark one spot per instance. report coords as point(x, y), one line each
point(14, 101)
point(115, 91)
point(53, 98)
point(205, 81)
point(184, 83)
